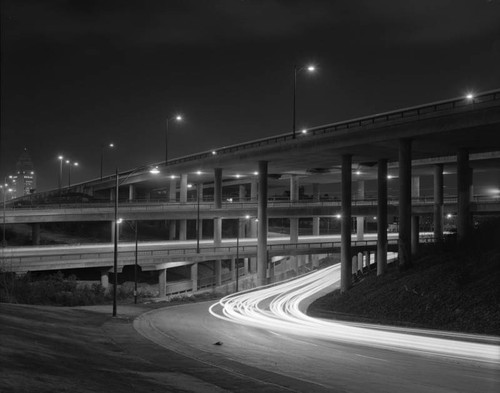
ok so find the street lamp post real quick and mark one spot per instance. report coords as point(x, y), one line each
point(154, 171)
point(198, 193)
point(176, 118)
point(111, 145)
point(69, 170)
point(309, 68)
point(60, 173)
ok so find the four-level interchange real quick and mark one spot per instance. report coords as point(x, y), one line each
point(458, 138)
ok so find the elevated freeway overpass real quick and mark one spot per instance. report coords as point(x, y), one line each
point(406, 143)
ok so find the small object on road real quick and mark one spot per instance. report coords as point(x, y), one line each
point(218, 343)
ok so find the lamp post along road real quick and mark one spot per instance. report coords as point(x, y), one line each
point(310, 68)
point(154, 171)
point(111, 145)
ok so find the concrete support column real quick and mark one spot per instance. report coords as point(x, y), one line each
point(199, 199)
point(131, 192)
point(345, 233)
point(464, 182)
point(404, 249)
point(111, 194)
point(162, 282)
point(218, 272)
point(112, 231)
point(218, 205)
point(183, 199)
point(438, 201)
point(415, 187)
point(367, 260)
point(294, 197)
point(415, 234)
point(233, 269)
point(194, 276)
point(242, 192)
point(262, 225)
point(245, 265)
point(105, 278)
point(360, 228)
point(381, 255)
point(172, 230)
point(35, 234)
point(316, 220)
point(172, 191)
point(360, 220)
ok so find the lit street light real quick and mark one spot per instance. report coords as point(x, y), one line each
point(309, 68)
point(177, 118)
point(69, 170)
point(60, 173)
point(116, 222)
point(110, 145)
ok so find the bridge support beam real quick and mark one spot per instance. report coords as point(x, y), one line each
point(415, 186)
point(262, 225)
point(438, 202)
point(199, 221)
point(172, 197)
point(294, 197)
point(415, 234)
point(346, 219)
point(194, 276)
point(464, 183)
point(162, 282)
point(404, 249)
point(381, 255)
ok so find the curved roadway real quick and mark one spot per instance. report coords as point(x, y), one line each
point(265, 335)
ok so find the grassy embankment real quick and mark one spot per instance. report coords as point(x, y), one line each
point(446, 288)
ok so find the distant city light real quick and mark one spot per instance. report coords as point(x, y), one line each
point(469, 96)
point(238, 176)
point(190, 185)
point(214, 153)
point(358, 172)
point(111, 145)
point(119, 221)
point(172, 176)
point(178, 118)
point(256, 173)
point(154, 170)
point(311, 68)
point(390, 177)
point(198, 172)
point(247, 216)
point(449, 215)
point(304, 131)
point(338, 215)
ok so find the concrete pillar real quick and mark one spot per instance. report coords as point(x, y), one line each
point(218, 205)
point(194, 276)
point(218, 272)
point(316, 220)
point(182, 229)
point(131, 192)
point(172, 229)
point(199, 199)
point(294, 197)
point(233, 269)
point(112, 231)
point(183, 199)
point(111, 194)
point(360, 228)
point(464, 181)
point(105, 278)
point(367, 260)
point(415, 234)
point(381, 255)
point(242, 193)
point(172, 190)
point(360, 262)
point(345, 235)
point(162, 282)
point(415, 187)
point(35, 233)
point(245, 265)
point(438, 201)
point(262, 225)
point(404, 248)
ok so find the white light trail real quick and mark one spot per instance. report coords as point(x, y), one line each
point(277, 308)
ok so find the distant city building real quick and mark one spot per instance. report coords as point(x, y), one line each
point(23, 181)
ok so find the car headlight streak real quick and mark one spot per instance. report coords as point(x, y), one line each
point(277, 308)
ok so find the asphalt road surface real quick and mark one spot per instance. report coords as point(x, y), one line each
point(265, 335)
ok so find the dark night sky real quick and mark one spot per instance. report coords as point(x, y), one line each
point(77, 74)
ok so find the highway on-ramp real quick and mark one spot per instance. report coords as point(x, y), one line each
point(265, 335)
